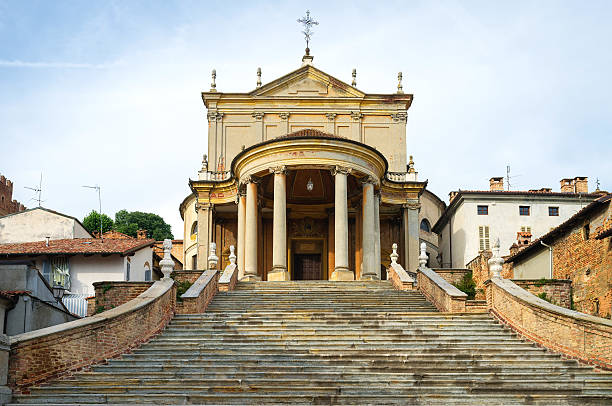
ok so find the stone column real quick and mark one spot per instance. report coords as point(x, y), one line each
point(5, 347)
point(369, 231)
point(341, 260)
point(204, 215)
point(279, 227)
point(377, 253)
point(411, 234)
point(250, 248)
point(241, 231)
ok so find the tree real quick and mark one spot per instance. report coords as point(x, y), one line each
point(128, 222)
point(92, 222)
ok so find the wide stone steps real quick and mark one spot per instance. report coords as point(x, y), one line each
point(353, 343)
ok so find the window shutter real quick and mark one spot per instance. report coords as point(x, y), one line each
point(483, 237)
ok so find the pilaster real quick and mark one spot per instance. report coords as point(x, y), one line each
point(411, 233)
point(205, 219)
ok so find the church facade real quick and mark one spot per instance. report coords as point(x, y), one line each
point(308, 177)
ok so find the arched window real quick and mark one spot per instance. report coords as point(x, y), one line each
point(194, 230)
point(147, 272)
point(425, 226)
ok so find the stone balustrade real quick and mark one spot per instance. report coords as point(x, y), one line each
point(200, 294)
point(443, 295)
point(398, 276)
point(215, 176)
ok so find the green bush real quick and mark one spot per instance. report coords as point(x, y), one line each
point(544, 296)
point(467, 286)
point(182, 287)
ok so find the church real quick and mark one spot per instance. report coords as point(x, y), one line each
point(308, 177)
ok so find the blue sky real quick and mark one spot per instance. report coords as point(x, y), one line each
point(108, 92)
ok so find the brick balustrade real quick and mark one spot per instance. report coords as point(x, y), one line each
point(577, 335)
point(186, 275)
point(110, 294)
point(443, 295)
point(40, 355)
point(558, 291)
point(452, 275)
point(200, 294)
point(229, 278)
point(399, 277)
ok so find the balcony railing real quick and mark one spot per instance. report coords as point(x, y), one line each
point(214, 176)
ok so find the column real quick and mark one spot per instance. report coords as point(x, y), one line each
point(241, 232)
point(204, 215)
point(250, 245)
point(377, 253)
point(369, 261)
point(411, 234)
point(341, 264)
point(279, 227)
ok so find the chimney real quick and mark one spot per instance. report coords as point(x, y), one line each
point(141, 234)
point(452, 196)
point(567, 185)
point(523, 239)
point(496, 184)
point(581, 184)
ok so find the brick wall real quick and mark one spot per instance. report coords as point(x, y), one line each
point(452, 275)
point(588, 264)
point(110, 294)
point(7, 204)
point(558, 292)
point(40, 355)
point(201, 293)
point(440, 293)
point(190, 276)
point(480, 269)
point(577, 335)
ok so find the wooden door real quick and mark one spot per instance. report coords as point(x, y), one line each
point(307, 267)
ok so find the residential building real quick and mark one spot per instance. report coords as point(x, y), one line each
point(39, 223)
point(475, 218)
point(579, 249)
point(7, 204)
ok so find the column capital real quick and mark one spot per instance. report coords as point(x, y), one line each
point(331, 116)
point(356, 115)
point(369, 180)
point(344, 170)
point(258, 115)
point(411, 205)
point(203, 206)
point(249, 179)
point(400, 117)
point(284, 116)
point(280, 169)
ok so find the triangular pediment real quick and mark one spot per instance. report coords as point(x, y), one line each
point(308, 81)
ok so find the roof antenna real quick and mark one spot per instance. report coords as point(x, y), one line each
point(508, 176)
point(37, 190)
point(97, 187)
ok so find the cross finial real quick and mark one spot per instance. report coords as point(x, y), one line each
point(258, 77)
point(400, 89)
point(597, 183)
point(213, 84)
point(308, 22)
point(354, 84)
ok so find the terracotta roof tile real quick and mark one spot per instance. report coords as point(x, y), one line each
point(75, 246)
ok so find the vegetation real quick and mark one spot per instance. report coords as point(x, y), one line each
point(467, 286)
point(127, 222)
point(99, 309)
point(544, 296)
point(92, 222)
point(542, 282)
point(182, 287)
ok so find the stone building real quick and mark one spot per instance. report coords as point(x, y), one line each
point(474, 218)
point(7, 204)
point(579, 249)
point(308, 177)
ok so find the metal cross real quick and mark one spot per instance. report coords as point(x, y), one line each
point(308, 22)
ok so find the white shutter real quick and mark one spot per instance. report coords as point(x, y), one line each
point(483, 237)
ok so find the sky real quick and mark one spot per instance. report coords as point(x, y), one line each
point(108, 92)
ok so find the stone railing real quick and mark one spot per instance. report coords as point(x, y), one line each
point(229, 278)
point(443, 295)
point(110, 294)
point(189, 275)
point(200, 294)
point(577, 335)
point(40, 355)
point(397, 176)
point(214, 176)
point(397, 274)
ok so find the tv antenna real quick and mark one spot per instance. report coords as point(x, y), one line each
point(508, 176)
point(97, 187)
point(38, 190)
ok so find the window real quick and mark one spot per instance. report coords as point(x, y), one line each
point(194, 262)
point(483, 210)
point(483, 236)
point(586, 231)
point(525, 229)
point(147, 272)
point(127, 270)
point(425, 226)
point(553, 211)
point(194, 230)
point(524, 210)
point(60, 272)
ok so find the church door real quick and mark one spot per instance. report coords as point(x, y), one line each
point(307, 267)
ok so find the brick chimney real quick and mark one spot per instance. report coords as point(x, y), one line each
point(523, 239)
point(141, 234)
point(496, 184)
point(567, 185)
point(581, 184)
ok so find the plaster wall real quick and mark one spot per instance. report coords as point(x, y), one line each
point(536, 267)
point(36, 225)
point(84, 271)
point(190, 240)
point(137, 264)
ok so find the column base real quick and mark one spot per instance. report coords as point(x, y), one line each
point(372, 277)
point(250, 278)
point(278, 274)
point(342, 274)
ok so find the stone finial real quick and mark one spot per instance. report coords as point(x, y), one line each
point(205, 163)
point(213, 84)
point(423, 256)
point(411, 165)
point(232, 255)
point(394, 256)
point(496, 261)
point(167, 264)
point(400, 89)
point(258, 77)
point(213, 259)
point(354, 83)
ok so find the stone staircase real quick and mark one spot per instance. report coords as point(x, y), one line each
point(331, 343)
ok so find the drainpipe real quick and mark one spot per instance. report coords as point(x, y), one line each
point(551, 258)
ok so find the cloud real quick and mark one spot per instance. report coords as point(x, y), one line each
point(56, 65)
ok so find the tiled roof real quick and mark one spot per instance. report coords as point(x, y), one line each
point(563, 227)
point(13, 294)
point(75, 246)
